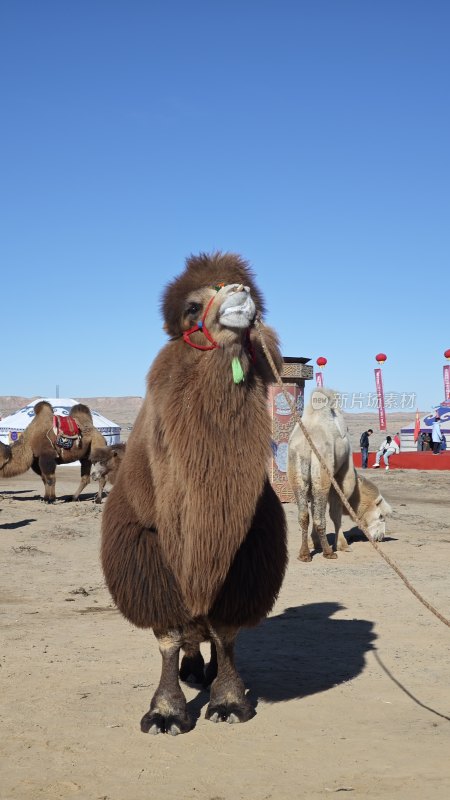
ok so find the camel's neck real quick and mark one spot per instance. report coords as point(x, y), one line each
point(21, 459)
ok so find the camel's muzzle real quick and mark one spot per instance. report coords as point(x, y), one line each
point(97, 472)
point(238, 309)
point(377, 530)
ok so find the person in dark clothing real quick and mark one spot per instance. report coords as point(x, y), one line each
point(364, 445)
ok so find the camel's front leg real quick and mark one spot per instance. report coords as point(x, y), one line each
point(85, 477)
point(228, 702)
point(336, 518)
point(47, 470)
point(167, 713)
point(101, 486)
point(319, 504)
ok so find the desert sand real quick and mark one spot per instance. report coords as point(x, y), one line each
point(350, 674)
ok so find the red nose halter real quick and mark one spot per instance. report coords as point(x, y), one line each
point(200, 326)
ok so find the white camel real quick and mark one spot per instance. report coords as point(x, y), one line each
point(311, 484)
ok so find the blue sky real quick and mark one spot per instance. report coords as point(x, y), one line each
point(310, 136)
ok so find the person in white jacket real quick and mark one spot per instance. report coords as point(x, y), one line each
point(436, 436)
point(386, 449)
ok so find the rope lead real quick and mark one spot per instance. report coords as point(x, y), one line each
point(259, 329)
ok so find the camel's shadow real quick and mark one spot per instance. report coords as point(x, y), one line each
point(297, 653)
point(63, 498)
point(302, 651)
point(15, 491)
point(10, 526)
point(356, 535)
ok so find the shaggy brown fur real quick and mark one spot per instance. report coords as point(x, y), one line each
point(194, 540)
point(36, 449)
point(105, 466)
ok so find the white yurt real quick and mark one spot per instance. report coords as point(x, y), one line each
point(12, 426)
point(426, 423)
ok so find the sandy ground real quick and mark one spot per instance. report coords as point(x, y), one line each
point(350, 675)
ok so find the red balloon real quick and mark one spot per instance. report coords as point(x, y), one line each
point(381, 358)
point(447, 354)
point(321, 361)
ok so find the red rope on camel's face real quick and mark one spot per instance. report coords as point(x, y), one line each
point(200, 326)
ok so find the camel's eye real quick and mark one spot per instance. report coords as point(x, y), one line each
point(192, 309)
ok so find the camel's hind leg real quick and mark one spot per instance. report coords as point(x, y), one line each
point(303, 521)
point(228, 702)
point(193, 665)
point(167, 713)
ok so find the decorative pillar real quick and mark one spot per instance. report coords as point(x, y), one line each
point(380, 358)
point(294, 374)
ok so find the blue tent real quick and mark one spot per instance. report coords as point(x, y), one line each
point(426, 422)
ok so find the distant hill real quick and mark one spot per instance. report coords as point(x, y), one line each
point(124, 411)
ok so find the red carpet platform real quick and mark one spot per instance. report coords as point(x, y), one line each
point(410, 461)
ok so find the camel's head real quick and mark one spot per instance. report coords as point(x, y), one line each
point(105, 459)
point(99, 469)
point(374, 509)
point(5, 454)
point(215, 299)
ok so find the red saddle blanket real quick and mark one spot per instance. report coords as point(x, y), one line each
point(66, 426)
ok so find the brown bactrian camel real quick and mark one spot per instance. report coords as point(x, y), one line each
point(37, 448)
point(193, 535)
point(326, 425)
point(105, 465)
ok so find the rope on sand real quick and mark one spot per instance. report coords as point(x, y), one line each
point(259, 329)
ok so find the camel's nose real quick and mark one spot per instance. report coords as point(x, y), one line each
point(241, 288)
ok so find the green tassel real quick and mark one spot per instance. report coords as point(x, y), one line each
point(238, 375)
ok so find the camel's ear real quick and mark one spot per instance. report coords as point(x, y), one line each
point(165, 328)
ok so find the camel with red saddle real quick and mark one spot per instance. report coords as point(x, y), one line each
point(50, 440)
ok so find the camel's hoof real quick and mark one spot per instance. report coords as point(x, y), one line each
point(155, 723)
point(192, 669)
point(98, 501)
point(49, 500)
point(230, 712)
point(304, 557)
point(330, 555)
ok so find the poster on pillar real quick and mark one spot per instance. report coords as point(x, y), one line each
point(446, 369)
point(283, 422)
point(380, 395)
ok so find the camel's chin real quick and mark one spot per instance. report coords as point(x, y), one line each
point(235, 320)
point(238, 316)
